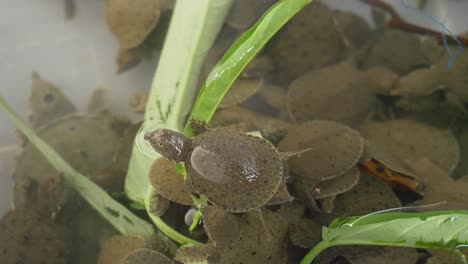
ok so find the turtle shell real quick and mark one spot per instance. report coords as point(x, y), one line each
point(116, 248)
point(397, 141)
point(335, 148)
point(235, 171)
point(146, 256)
point(132, 22)
point(87, 142)
point(27, 237)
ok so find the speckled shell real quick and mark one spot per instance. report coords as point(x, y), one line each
point(26, 237)
point(132, 22)
point(337, 185)
point(168, 183)
point(146, 256)
point(335, 148)
point(87, 143)
point(397, 50)
point(339, 92)
point(215, 221)
point(396, 141)
point(307, 42)
point(114, 249)
point(263, 240)
point(235, 171)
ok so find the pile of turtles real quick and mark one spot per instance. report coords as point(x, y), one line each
point(334, 118)
point(349, 125)
point(98, 145)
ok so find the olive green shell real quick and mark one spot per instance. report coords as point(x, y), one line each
point(235, 171)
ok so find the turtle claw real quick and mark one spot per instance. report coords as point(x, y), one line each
point(198, 126)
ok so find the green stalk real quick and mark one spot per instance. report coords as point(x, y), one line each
point(314, 252)
point(120, 217)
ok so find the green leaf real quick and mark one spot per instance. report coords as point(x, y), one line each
point(119, 216)
point(238, 56)
point(427, 230)
point(168, 231)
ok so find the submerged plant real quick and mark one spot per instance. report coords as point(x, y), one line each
point(172, 92)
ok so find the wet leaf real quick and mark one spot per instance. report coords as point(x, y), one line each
point(239, 55)
point(427, 230)
point(119, 216)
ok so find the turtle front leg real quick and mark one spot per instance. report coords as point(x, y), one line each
point(198, 126)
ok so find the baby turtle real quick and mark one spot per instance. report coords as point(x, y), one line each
point(87, 141)
point(336, 148)
point(130, 22)
point(116, 248)
point(146, 256)
point(349, 99)
point(235, 171)
point(27, 237)
point(395, 141)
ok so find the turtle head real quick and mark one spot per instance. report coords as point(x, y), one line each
point(170, 144)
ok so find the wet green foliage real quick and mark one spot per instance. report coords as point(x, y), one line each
point(427, 230)
point(238, 56)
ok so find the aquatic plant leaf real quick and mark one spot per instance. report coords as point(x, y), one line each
point(428, 230)
point(238, 56)
point(120, 217)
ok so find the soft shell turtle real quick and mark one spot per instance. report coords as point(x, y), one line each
point(439, 185)
point(132, 22)
point(307, 42)
point(114, 249)
point(336, 148)
point(395, 141)
point(451, 82)
point(146, 256)
point(397, 50)
point(349, 98)
point(235, 171)
point(168, 183)
point(271, 128)
point(27, 237)
point(90, 143)
point(206, 253)
point(83, 140)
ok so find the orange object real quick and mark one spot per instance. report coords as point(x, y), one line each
point(391, 177)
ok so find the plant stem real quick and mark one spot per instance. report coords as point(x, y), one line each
point(171, 233)
point(196, 220)
point(313, 253)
